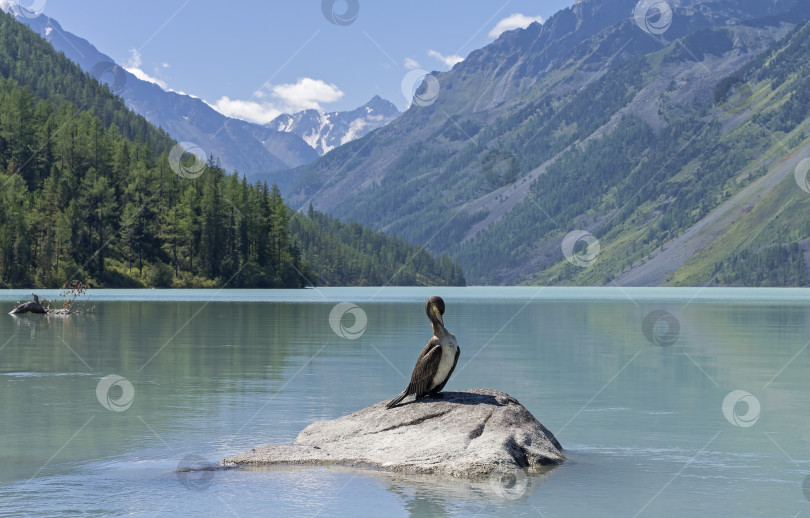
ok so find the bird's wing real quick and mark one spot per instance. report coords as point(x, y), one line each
point(425, 367)
point(441, 385)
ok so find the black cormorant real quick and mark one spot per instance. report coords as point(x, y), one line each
point(437, 360)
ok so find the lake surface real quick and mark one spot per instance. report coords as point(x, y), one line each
point(668, 402)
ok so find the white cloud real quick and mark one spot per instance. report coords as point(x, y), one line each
point(411, 64)
point(251, 111)
point(447, 60)
point(513, 21)
point(269, 103)
point(133, 66)
point(307, 93)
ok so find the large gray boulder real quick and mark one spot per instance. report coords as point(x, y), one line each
point(470, 434)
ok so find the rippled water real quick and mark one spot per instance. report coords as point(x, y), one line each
point(647, 412)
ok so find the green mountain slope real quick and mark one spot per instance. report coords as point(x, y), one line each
point(761, 235)
point(90, 191)
point(586, 123)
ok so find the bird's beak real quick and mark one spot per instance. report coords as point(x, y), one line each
point(438, 314)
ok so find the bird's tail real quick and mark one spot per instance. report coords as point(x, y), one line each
point(394, 402)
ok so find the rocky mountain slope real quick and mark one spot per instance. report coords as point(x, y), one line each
point(628, 127)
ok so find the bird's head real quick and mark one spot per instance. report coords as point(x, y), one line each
point(434, 307)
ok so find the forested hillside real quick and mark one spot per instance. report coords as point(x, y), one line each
point(89, 191)
point(351, 254)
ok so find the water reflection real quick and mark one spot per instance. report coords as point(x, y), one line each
point(30, 323)
point(436, 496)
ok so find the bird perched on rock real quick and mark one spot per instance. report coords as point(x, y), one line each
point(437, 360)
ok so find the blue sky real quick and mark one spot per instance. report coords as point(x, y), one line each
point(255, 59)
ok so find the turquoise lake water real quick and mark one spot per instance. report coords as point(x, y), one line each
point(668, 402)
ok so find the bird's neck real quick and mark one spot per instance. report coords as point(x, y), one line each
point(439, 331)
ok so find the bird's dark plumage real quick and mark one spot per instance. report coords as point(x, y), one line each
point(428, 377)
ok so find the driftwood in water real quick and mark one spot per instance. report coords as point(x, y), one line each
point(33, 306)
point(28, 307)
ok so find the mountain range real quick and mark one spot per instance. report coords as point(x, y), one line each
point(620, 142)
point(613, 144)
point(324, 131)
point(252, 149)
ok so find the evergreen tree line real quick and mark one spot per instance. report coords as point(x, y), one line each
point(81, 201)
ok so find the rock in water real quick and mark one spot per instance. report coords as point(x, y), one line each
point(468, 434)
